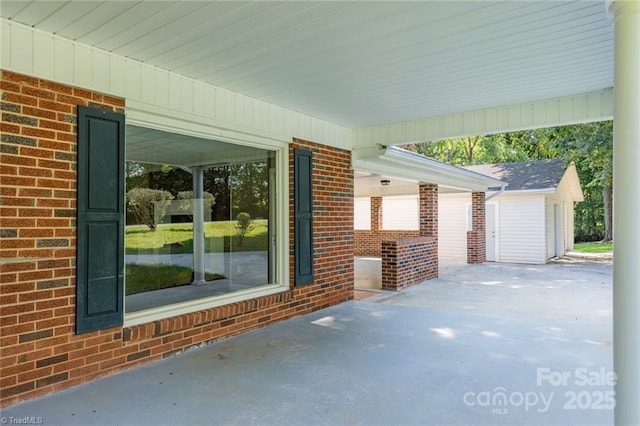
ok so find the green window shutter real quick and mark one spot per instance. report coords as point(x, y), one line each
point(303, 216)
point(100, 237)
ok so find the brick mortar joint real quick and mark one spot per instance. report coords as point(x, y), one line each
point(166, 326)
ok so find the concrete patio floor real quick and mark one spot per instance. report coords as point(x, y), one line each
point(487, 344)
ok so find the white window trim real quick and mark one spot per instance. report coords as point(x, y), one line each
point(281, 148)
point(168, 311)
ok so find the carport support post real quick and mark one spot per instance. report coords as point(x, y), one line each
point(198, 226)
point(477, 238)
point(428, 210)
point(626, 208)
point(429, 223)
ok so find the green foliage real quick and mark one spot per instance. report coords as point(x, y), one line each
point(589, 146)
point(147, 205)
point(186, 201)
point(249, 186)
point(155, 176)
point(234, 187)
point(188, 196)
point(239, 187)
point(498, 148)
point(243, 225)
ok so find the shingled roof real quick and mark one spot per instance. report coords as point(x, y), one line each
point(525, 175)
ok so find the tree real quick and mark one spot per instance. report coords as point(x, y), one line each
point(186, 201)
point(136, 175)
point(469, 146)
point(216, 181)
point(249, 185)
point(239, 187)
point(147, 204)
point(497, 148)
point(589, 146)
point(244, 224)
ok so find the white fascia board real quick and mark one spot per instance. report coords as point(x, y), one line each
point(404, 155)
point(526, 191)
point(392, 161)
point(571, 174)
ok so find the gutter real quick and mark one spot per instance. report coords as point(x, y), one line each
point(495, 194)
point(393, 161)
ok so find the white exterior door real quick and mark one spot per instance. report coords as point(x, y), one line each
point(492, 241)
point(557, 224)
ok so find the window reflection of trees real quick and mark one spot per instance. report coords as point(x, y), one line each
point(233, 193)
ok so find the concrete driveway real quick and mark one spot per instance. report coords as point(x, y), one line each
point(488, 344)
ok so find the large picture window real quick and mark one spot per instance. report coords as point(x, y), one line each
point(201, 218)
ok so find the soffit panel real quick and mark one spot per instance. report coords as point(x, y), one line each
point(356, 64)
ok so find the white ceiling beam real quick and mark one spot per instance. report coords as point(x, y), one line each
point(582, 108)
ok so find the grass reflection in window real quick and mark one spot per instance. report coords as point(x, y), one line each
point(176, 239)
point(199, 212)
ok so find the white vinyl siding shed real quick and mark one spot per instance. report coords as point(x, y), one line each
point(521, 228)
point(533, 221)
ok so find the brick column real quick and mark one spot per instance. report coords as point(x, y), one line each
point(429, 210)
point(376, 214)
point(476, 238)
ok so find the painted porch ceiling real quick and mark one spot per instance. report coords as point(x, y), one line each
point(355, 64)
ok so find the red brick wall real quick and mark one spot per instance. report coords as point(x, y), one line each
point(409, 261)
point(429, 211)
point(369, 242)
point(332, 227)
point(476, 238)
point(408, 257)
point(39, 351)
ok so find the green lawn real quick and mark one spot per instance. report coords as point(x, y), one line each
point(141, 278)
point(595, 247)
point(178, 238)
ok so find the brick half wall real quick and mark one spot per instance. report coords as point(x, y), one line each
point(408, 261)
point(369, 243)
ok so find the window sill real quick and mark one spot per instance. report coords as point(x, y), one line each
point(187, 307)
